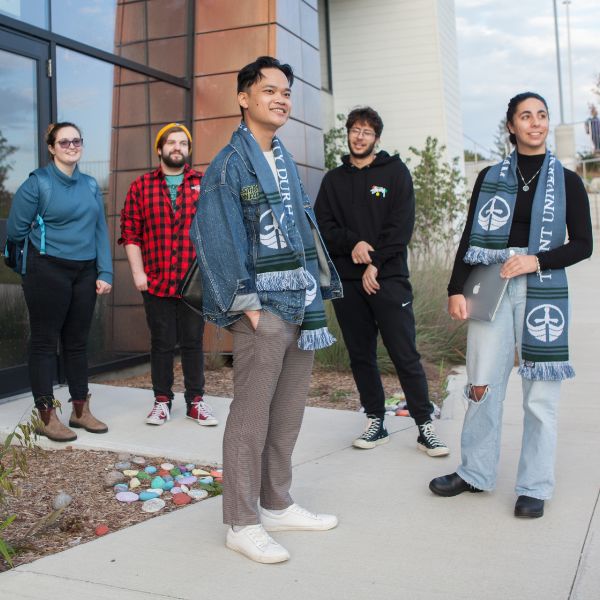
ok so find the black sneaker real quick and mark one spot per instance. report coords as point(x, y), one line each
point(429, 442)
point(374, 434)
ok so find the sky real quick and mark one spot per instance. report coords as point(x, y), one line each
point(506, 47)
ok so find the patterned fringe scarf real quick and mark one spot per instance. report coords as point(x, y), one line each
point(544, 350)
point(287, 257)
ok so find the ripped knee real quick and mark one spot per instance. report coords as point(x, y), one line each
point(477, 392)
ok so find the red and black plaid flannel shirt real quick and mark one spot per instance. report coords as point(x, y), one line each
point(148, 221)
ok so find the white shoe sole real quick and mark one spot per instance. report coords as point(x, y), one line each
point(275, 527)
point(207, 423)
point(363, 444)
point(433, 451)
point(156, 423)
point(259, 558)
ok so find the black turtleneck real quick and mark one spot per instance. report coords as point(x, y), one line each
point(579, 224)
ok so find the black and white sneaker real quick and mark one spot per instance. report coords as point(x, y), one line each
point(373, 435)
point(429, 442)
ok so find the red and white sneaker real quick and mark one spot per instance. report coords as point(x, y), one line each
point(201, 412)
point(159, 414)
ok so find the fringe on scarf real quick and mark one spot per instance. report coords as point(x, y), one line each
point(315, 339)
point(281, 281)
point(485, 256)
point(546, 371)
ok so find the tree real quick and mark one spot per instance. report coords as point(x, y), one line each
point(502, 144)
point(471, 156)
point(440, 202)
point(5, 196)
point(334, 142)
point(596, 88)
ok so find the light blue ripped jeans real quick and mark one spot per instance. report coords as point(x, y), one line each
point(490, 360)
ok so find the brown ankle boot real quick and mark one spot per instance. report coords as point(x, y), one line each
point(81, 417)
point(52, 428)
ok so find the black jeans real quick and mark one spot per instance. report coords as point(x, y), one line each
point(60, 296)
point(170, 321)
point(389, 311)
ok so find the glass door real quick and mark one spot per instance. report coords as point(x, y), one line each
point(24, 116)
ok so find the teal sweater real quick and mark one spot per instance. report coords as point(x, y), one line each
point(75, 223)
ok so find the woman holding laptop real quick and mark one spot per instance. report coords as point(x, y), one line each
point(520, 212)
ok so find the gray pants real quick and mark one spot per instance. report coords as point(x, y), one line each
point(271, 376)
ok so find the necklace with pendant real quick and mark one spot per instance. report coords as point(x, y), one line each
point(525, 187)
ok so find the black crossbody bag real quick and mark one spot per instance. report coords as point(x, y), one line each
point(191, 288)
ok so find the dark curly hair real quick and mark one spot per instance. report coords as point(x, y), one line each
point(513, 103)
point(365, 114)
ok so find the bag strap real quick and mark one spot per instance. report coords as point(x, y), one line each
point(45, 193)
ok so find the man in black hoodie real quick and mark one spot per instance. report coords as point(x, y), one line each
point(366, 213)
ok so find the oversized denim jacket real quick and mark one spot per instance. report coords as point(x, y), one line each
point(225, 232)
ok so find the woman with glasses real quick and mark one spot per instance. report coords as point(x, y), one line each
point(521, 210)
point(58, 213)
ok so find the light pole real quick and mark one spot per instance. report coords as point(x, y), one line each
point(570, 63)
point(560, 93)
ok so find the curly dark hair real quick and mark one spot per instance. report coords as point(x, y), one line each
point(513, 104)
point(251, 73)
point(365, 114)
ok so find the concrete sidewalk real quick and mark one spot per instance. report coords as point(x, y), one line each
point(395, 539)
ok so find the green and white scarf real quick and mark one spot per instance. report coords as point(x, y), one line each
point(287, 257)
point(544, 349)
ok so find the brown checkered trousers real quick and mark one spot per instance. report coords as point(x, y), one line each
point(271, 376)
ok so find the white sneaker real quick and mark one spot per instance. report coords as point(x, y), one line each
point(296, 518)
point(255, 543)
point(159, 414)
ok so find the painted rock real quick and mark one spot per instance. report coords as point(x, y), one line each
point(167, 466)
point(197, 494)
point(147, 495)
point(168, 477)
point(175, 490)
point(189, 467)
point(157, 491)
point(218, 473)
point(130, 472)
point(143, 475)
point(199, 472)
point(138, 460)
point(127, 497)
point(207, 480)
point(181, 499)
point(121, 487)
point(183, 480)
point(112, 478)
point(122, 466)
point(153, 505)
point(168, 486)
point(62, 500)
point(123, 456)
point(150, 470)
point(175, 471)
point(101, 530)
point(157, 482)
point(134, 483)
point(184, 488)
point(164, 473)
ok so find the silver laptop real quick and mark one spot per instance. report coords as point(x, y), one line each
point(483, 291)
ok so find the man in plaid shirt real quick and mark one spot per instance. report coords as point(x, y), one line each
point(155, 225)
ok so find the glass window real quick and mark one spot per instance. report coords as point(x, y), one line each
point(34, 12)
point(325, 45)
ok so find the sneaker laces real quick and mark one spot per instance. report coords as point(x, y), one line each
point(428, 433)
point(299, 510)
point(203, 408)
point(373, 426)
point(159, 409)
point(259, 536)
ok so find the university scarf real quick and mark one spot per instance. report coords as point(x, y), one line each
point(544, 349)
point(287, 256)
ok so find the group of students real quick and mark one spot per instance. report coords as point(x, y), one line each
point(268, 262)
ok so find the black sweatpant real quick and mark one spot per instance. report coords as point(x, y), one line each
point(389, 311)
point(60, 296)
point(172, 321)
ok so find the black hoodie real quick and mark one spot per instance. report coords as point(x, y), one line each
point(375, 204)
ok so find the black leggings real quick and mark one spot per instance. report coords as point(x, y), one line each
point(60, 296)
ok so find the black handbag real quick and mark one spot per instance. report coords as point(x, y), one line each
point(190, 289)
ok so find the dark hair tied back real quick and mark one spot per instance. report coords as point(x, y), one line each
point(513, 103)
point(53, 129)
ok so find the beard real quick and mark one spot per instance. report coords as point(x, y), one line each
point(367, 152)
point(174, 163)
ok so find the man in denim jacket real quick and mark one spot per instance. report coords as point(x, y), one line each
point(261, 256)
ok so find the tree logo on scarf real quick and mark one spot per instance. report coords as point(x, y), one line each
point(311, 290)
point(494, 214)
point(270, 233)
point(545, 322)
